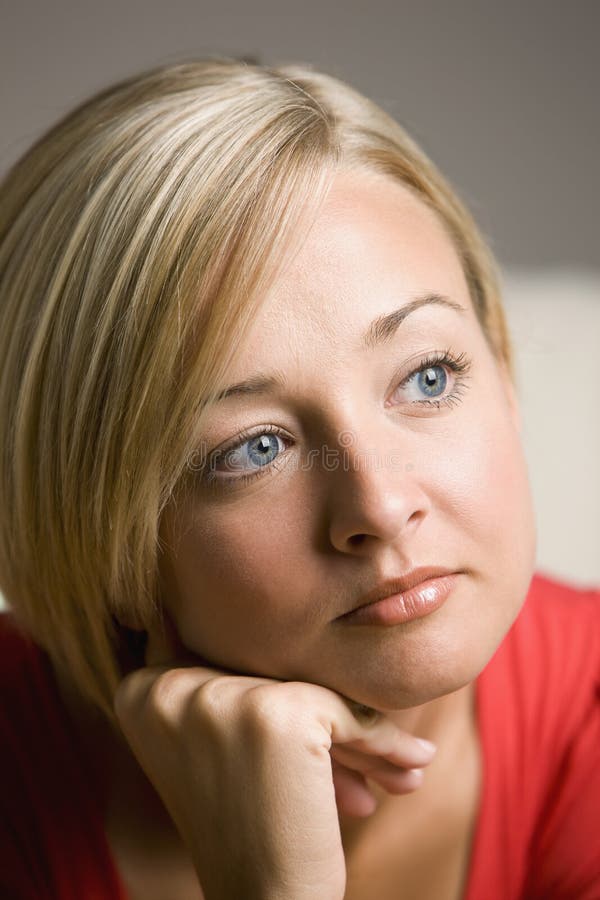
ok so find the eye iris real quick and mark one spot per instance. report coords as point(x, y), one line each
point(264, 444)
point(432, 381)
point(257, 451)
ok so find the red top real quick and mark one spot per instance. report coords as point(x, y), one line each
point(537, 835)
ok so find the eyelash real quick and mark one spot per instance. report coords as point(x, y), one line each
point(460, 365)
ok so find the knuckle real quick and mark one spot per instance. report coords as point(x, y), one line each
point(215, 700)
point(210, 697)
point(129, 695)
point(259, 704)
point(274, 710)
point(163, 696)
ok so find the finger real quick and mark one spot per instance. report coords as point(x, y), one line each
point(157, 693)
point(352, 794)
point(380, 736)
point(395, 746)
point(395, 779)
point(363, 761)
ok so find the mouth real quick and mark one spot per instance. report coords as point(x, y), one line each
point(422, 592)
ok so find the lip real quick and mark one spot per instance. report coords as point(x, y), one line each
point(414, 596)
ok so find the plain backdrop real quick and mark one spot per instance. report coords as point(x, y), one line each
point(504, 98)
point(503, 95)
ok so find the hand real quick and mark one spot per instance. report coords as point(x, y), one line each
point(250, 770)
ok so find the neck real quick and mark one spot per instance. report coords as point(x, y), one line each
point(448, 722)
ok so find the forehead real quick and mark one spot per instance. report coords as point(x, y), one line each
point(372, 247)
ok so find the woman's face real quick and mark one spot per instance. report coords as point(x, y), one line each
point(366, 460)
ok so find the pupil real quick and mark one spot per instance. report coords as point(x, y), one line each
point(262, 448)
point(433, 380)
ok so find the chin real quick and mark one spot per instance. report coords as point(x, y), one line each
point(395, 697)
point(405, 670)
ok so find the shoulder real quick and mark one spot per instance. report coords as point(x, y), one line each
point(30, 713)
point(560, 603)
point(539, 707)
point(548, 665)
point(555, 607)
point(52, 841)
point(566, 845)
point(559, 639)
point(25, 752)
point(25, 674)
point(16, 646)
point(544, 679)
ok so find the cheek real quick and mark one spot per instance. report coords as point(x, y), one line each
point(509, 496)
point(504, 484)
point(483, 487)
point(229, 586)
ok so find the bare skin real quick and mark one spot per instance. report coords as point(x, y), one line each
point(404, 841)
point(256, 575)
point(422, 841)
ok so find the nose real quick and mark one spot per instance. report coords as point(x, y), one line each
point(375, 496)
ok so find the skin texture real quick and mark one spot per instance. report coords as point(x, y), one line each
point(255, 575)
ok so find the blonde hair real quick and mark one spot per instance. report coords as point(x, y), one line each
point(136, 240)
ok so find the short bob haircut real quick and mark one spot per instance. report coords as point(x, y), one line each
point(137, 238)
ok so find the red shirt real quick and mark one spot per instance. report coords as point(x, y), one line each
point(537, 835)
point(538, 708)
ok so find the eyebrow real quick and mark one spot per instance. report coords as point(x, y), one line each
point(379, 332)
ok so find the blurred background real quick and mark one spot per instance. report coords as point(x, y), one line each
point(502, 96)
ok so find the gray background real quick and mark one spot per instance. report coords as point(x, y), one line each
point(503, 95)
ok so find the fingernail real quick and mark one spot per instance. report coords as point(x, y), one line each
point(428, 746)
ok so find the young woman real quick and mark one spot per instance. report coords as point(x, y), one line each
point(266, 523)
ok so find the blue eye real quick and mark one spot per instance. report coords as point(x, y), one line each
point(258, 453)
point(432, 381)
point(246, 457)
point(260, 450)
point(429, 383)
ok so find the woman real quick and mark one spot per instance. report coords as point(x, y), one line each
point(266, 520)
